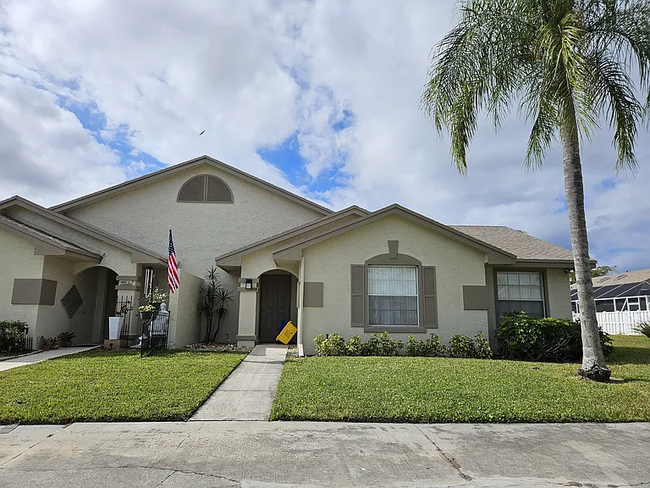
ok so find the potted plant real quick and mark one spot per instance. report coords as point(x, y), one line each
point(65, 338)
point(115, 323)
point(157, 297)
point(47, 343)
point(146, 311)
point(43, 344)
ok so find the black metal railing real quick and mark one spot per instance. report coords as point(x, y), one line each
point(155, 330)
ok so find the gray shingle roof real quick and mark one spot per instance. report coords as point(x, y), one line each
point(522, 245)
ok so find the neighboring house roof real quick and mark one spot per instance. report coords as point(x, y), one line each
point(620, 285)
point(526, 248)
point(501, 256)
point(163, 173)
point(46, 242)
point(233, 258)
point(138, 252)
point(623, 278)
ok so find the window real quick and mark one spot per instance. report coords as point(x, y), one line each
point(205, 188)
point(393, 295)
point(520, 292)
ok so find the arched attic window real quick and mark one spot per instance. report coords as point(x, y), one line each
point(205, 189)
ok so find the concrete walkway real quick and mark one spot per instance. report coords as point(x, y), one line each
point(42, 356)
point(283, 454)
point(249, 391)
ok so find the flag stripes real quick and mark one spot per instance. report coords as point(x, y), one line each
point(172, 266)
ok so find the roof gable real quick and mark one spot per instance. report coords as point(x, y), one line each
point(233, 258)
point(138, 253)
point(171, 170)
point(495, 254)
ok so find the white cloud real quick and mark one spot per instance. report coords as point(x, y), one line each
point(251, 74)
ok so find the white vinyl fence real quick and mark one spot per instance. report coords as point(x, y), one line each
point(620, 322)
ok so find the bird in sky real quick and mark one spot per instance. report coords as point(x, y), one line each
point(202, 132)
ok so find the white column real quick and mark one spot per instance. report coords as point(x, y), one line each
point(301, 295)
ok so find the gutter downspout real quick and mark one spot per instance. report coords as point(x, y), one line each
point(301, 295)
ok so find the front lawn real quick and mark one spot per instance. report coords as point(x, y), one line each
point(411, 389)
point(112, 386)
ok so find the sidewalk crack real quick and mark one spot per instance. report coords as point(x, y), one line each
point(446, 456)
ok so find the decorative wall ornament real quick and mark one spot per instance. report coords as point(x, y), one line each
point(72, 301)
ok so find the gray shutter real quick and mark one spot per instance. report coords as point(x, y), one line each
point(430, 315)
point(193, 190)
point(358, 301)
point(218, 191)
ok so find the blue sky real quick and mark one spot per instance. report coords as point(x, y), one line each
point(319, 97)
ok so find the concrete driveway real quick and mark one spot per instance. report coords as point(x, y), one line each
point(218, 454)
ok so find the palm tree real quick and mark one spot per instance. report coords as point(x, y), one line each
point(565, 63)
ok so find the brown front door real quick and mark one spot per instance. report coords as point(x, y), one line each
point(275, 305)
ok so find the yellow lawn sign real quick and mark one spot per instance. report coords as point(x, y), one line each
point(287, 333)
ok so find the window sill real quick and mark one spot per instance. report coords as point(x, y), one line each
point(373, 329)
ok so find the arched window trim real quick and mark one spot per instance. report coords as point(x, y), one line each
point(206, 178)
point(427, 295)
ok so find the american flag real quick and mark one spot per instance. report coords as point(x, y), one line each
point(172, 267)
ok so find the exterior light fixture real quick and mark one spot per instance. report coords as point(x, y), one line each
point(249, 284)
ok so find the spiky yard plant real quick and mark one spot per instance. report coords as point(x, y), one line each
point(565, 64)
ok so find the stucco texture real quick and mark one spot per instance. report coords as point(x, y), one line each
point(202, 231)
point(330, 261)
point(53, 319)
point(17, 260)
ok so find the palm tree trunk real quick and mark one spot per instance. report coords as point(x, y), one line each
point(593, 360)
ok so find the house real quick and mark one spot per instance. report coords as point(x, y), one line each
point(621, 292)
point(72, 266)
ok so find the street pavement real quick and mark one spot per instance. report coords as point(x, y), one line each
point(282, 454)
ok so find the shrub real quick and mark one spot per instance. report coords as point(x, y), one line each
point(434, 347)
point(545, 339)
point(354, 346)
point(643, 328)
point(481, 347)
point(389, 346)
point(334, 345)
point(429, 347)
point(415, 347)
point(461, 346)
point(372, 347)
point(12, 336)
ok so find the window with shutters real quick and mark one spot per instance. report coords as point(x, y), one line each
point(205, 189)
point(393, 295)
point(393, 292)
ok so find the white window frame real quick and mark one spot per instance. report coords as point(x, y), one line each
point(416, 281)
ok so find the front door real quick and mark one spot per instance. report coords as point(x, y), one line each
point(275, 305)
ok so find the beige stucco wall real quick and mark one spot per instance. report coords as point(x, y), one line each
point(184, 320)
point(53, 319)
point(17, 260)
point(202, 231)
point(329, 262)
point(559, 293)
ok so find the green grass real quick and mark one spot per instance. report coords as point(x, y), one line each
point(112, 386)
point(408, 389)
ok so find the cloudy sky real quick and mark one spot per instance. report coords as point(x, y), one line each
point(317, 96)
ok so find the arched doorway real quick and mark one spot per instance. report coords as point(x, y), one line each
point(96, 285)
point(277, 304)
